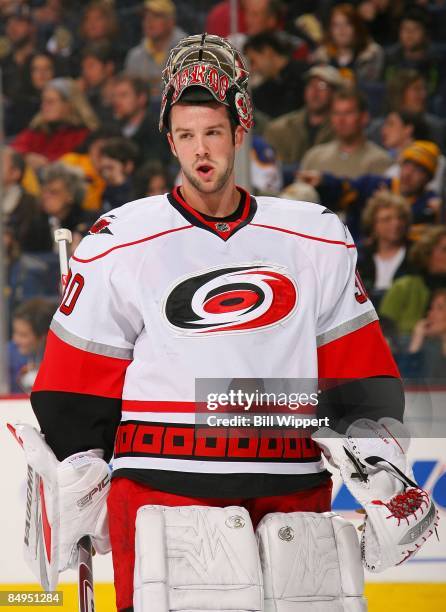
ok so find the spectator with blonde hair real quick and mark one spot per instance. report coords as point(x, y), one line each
point(386, 220)
point(406, 301)
point(64, 121)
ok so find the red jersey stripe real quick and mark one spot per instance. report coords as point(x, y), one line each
point(286, 231)
point(154, 406)
point(69, 369)
point(363, 353)
point(127, 244)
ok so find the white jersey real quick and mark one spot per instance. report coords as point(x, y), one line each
point(160, 297)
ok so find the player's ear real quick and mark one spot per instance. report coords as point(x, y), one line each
point(239, 137)
point(172, 144)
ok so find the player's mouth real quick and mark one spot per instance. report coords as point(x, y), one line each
point(205, 171)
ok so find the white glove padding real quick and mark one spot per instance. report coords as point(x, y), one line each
point(373, 464)
point(65, 501)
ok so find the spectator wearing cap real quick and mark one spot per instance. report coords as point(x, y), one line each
point(348, 46)
point(414, 50)
point(399, 130)
point(64, 121)
point(418, 165)
point(349, 154)
point(161, 34)
point(294, 133)
point(281, 86)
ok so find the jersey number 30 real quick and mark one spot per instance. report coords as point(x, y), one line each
point(71, 294)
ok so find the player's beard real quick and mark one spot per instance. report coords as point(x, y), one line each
point(214, 187)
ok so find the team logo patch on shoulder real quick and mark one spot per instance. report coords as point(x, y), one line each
point(225, 300)
point(101, 226)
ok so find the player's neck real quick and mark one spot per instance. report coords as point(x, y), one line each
point(219, 204)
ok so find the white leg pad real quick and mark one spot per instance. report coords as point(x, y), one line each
point(311, 562)
point(196, 558)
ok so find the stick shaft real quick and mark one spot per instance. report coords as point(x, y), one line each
point(85, 563)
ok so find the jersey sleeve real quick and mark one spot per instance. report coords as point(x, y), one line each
point(351, 348)
point(78, 390)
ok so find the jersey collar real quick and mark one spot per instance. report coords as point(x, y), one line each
point(223, 227)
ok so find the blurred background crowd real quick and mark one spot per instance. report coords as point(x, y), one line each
point(350, 106)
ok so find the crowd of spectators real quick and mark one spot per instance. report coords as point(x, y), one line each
point(349, 105)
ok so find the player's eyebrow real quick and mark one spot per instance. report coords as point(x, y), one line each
point(209, 127)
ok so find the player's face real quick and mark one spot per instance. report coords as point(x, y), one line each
point(318, 95)
point(202, 140)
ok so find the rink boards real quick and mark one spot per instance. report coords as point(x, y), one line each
point(420, 584)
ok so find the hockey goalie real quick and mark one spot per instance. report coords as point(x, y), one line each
point(209, 282)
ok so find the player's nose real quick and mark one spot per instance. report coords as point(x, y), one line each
point(201, 149)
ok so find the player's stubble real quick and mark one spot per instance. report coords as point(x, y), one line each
point(214, 186)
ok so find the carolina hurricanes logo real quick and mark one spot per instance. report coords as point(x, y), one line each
point(245, 298)
point(101, 225)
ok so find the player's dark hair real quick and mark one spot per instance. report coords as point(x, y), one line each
point(38, 312)
point(349, 93)
point(269, 40)
point(121, 149)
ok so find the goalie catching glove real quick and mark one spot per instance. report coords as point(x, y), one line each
point(66, 500)
point(400, 516)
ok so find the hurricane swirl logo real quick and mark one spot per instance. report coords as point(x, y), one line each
point(237, 299)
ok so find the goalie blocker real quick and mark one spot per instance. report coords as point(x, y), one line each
point(66, 500)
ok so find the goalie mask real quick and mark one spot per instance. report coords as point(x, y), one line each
point(206, 68)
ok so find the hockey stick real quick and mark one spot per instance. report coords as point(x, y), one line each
point(85, 563)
